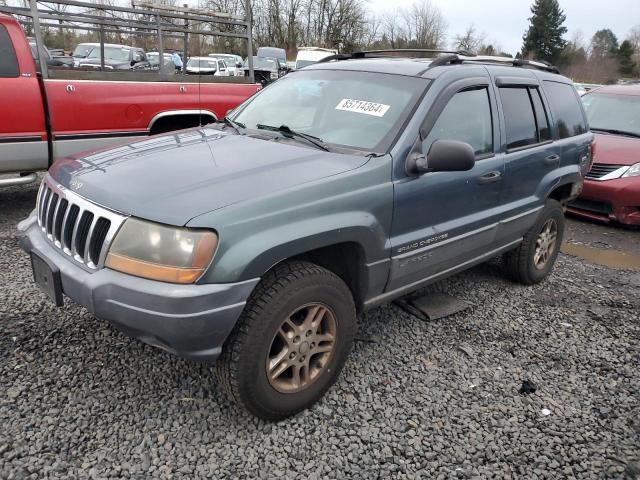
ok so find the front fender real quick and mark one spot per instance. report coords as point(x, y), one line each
point(254, 235)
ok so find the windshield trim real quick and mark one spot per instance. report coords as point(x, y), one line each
point(338, 147)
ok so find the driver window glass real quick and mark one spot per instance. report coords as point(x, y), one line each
point(466, 118)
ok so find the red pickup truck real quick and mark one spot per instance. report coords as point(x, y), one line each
point(42, 119)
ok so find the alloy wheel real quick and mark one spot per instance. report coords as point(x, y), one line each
point(545, 244)
point(301, 348)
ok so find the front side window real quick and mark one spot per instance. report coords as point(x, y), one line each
point(467, 118)
point(359, 110)
point(565, 106)
point(618, 114)
point(8, 60)
point(519, 118)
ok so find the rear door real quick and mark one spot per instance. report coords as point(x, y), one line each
point(443, 219)
point(23, 138)
point(530, 153)
point(569, 120)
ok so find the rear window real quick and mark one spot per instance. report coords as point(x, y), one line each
point(527, 122)
point(566, 109)
point(519, 117)
point(8, 61)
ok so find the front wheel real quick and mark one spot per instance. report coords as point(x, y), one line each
point(291, 341)
point(535, 257)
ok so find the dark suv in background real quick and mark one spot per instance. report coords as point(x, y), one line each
point(340, 187)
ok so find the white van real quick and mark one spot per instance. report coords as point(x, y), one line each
point(310, 55)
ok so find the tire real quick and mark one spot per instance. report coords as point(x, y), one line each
point(296, 291)
point(521, 264)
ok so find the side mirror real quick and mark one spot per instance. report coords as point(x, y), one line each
point(443, 156)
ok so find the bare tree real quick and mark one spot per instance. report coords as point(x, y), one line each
point(470, 41)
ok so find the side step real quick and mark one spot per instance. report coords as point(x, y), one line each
point(23, 179)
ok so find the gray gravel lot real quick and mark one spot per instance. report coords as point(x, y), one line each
point(416, 399)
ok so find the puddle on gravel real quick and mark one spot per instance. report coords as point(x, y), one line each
point(600, 256)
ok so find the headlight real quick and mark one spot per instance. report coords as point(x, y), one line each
point(634, 171)
point(274, 75)
point(159, 252)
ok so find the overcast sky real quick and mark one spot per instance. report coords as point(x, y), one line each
point(505, 21)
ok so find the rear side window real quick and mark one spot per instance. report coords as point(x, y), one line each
point(8, 61)
point(542, 121)
point(467, 118)
point(519, 117)
point(566, 110)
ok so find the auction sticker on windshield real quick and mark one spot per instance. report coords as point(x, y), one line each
point(362, 106)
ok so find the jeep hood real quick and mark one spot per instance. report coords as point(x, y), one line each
point(616, 149)
point(174, 177)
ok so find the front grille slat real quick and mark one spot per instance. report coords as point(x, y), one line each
point(59, 216)
point(43, 209)
point(599, 170)
point(80, 229)
point(69, 226)
point(87, 240)
point(100, 232)
point(51, 210)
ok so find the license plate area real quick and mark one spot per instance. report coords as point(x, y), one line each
point(47, 276)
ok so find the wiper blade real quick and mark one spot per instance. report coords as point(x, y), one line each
point(287, 132)
point(616, 132)
point(235, 125)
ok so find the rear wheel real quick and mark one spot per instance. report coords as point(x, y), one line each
point(535, 257)
point(291, 341)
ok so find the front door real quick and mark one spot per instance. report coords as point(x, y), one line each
point(442, 220)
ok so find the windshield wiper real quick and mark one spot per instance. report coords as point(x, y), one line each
point(287, 132)
point(616, 132)
point(235, 125)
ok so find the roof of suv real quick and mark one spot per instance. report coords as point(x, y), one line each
point(416, 67)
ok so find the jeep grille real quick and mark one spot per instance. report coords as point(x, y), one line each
point(80, 229)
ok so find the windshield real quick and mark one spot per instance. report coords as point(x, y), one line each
point(82, 50)
point(360, 110)
point(202, 63)
point(613, 112)
point(262, 63)
point(111, 53)
point(304, 63)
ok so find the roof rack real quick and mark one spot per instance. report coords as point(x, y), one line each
point(385, 53)
point(516, 62)
point(450, 57)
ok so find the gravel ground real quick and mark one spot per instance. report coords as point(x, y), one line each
point(416, 399)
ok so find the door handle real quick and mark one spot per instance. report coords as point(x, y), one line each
point(70, 88)
point(183, 89)
point(489, 177)
point(552, 160)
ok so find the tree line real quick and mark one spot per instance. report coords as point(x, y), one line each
point(349, 25)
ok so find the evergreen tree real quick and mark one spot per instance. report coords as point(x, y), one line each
point(625, 56)
point(543, 39)
point(604, 42)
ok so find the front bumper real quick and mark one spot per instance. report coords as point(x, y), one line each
point(191, 321)
point(609, 200)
